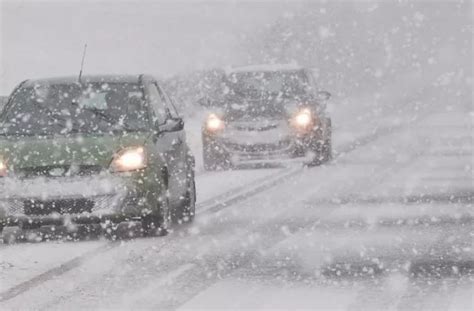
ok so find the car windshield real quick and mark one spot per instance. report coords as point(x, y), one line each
point(57, 109)
point(263, 84)
point(250, 95)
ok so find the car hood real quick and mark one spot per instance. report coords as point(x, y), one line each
point(30, 152)
point(259, 111)
point(257, 123)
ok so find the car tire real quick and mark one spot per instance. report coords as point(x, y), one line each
point(318, 156)
point(121, 231)
point(323, 153)
point(13, 236)
point(213, 160)
point(157, 225)
point(9, 239)
point(327, 150)
point(322, 149)
point(185, 212)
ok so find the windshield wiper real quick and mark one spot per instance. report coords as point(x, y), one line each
point(52, 116)
point(123, 126)
point(101, 114)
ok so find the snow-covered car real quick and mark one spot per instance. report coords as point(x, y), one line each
point(267, 113)
point(102, 150)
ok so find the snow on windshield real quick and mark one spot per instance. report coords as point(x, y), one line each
point(44, 109)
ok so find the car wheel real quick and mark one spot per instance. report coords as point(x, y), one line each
point(322, 149)
point(121, 231)
point(327, 150)
point(9, 238)
point(322, 153)
point(157, 225)
point(13, 236)
point(186, 211)
point(213, 159)
point(318, 157)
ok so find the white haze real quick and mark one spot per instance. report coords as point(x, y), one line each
point(387, 224)
point(46, 38)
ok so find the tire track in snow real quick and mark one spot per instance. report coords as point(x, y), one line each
point(242, 267)
point(194, 289)
point(55, 272)
point(433, 277)
point(236, 195)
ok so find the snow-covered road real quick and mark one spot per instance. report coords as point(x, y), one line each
point(388, 224)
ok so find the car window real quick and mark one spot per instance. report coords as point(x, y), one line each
point(255, 84)
point(157, 103)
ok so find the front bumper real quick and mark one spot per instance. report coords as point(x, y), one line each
point(59, 201)
point(245, 151)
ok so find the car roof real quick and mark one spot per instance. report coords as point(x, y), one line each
point(264, 68)
point(88, 79)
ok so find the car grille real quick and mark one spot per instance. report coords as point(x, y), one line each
point(255, 127)
point(17, 206)
point(259, 148)
point(71, 206)
point(58, 171)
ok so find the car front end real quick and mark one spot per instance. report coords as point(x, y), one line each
point(266, 115)
point(263, 140)
point(48, 188)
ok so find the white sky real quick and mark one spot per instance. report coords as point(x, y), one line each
point(46, 38)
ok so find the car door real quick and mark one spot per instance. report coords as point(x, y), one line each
point(163, 142)
point(177, 153)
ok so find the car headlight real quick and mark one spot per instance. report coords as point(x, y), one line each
point(303, 118)
point(3, 168)
point(214, 123)
point(130, 159)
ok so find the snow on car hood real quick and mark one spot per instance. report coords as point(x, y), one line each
point(23, 152)
point(73, 187)
point(257, 131)
point(258, 110)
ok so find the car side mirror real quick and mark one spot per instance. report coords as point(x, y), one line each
point(205, 101)
point(323, 95)
point(170, 125)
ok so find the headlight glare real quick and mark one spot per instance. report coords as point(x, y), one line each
point(3, 168)
point(214, 123)
point(130, 159)
point(303, 118)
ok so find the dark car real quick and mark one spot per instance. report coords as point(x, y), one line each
point(266, 113)
point(105, 150)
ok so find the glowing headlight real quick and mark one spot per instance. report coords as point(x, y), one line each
point(214, 123)
point(130, 159)
point(3, 168)
point(303, 118)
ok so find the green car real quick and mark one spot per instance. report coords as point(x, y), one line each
point(103, 150)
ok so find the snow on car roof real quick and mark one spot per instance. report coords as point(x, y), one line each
point(264, 67)
point(86, 78)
